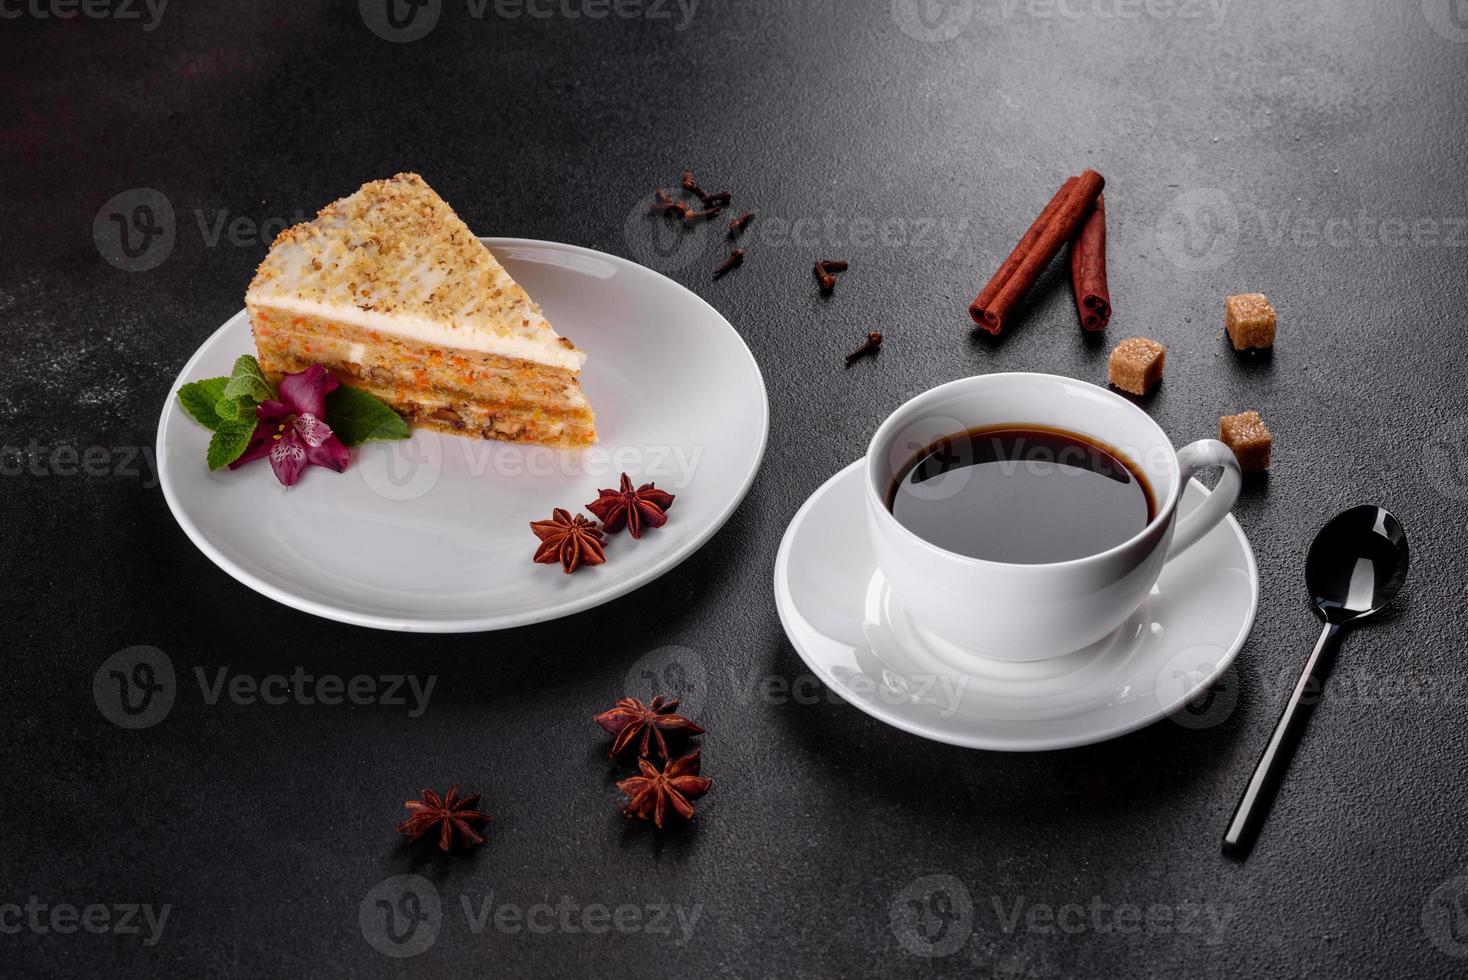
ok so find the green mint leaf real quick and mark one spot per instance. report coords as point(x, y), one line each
point(199, 399)
point(229, 443)
point(356, 416)
point(248, 381)
point(233, 409)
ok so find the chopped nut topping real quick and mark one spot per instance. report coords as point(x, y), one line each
point(396, 247)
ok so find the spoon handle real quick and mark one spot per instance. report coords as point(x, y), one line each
point(1254, 804)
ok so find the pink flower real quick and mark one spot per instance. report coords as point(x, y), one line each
point(291, 431)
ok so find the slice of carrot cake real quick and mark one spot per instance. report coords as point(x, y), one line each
point(392, 293)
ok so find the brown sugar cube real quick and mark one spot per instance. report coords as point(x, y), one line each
point(1246, 435)
point(1250, 321)
point(1136, 365)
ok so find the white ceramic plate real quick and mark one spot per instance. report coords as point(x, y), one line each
point(432, 533)
point(854, 634)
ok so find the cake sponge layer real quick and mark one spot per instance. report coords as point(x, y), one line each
point(464, 391)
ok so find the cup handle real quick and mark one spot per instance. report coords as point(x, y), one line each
point(1191, 458)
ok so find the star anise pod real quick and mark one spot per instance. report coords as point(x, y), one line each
point(655, 791)
point(633, 509)
point(454, 818)
point(572, 541)
point(631, 718)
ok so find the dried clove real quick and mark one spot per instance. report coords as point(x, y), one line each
point(873, 343)
point(735, 259)
point(690, 217)
point(828, 281)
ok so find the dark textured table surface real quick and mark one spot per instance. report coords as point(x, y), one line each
point(1315, 152)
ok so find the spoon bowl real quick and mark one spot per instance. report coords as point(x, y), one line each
point(1356, 564)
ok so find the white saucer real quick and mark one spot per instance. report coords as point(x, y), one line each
point(854, 634)
point(433, 533)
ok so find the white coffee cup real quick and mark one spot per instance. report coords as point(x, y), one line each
point(1022, 612)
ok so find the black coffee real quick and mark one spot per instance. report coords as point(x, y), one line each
point(1022, 494)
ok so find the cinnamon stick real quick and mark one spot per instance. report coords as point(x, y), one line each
point(1088, 270)
point(1055, 226)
